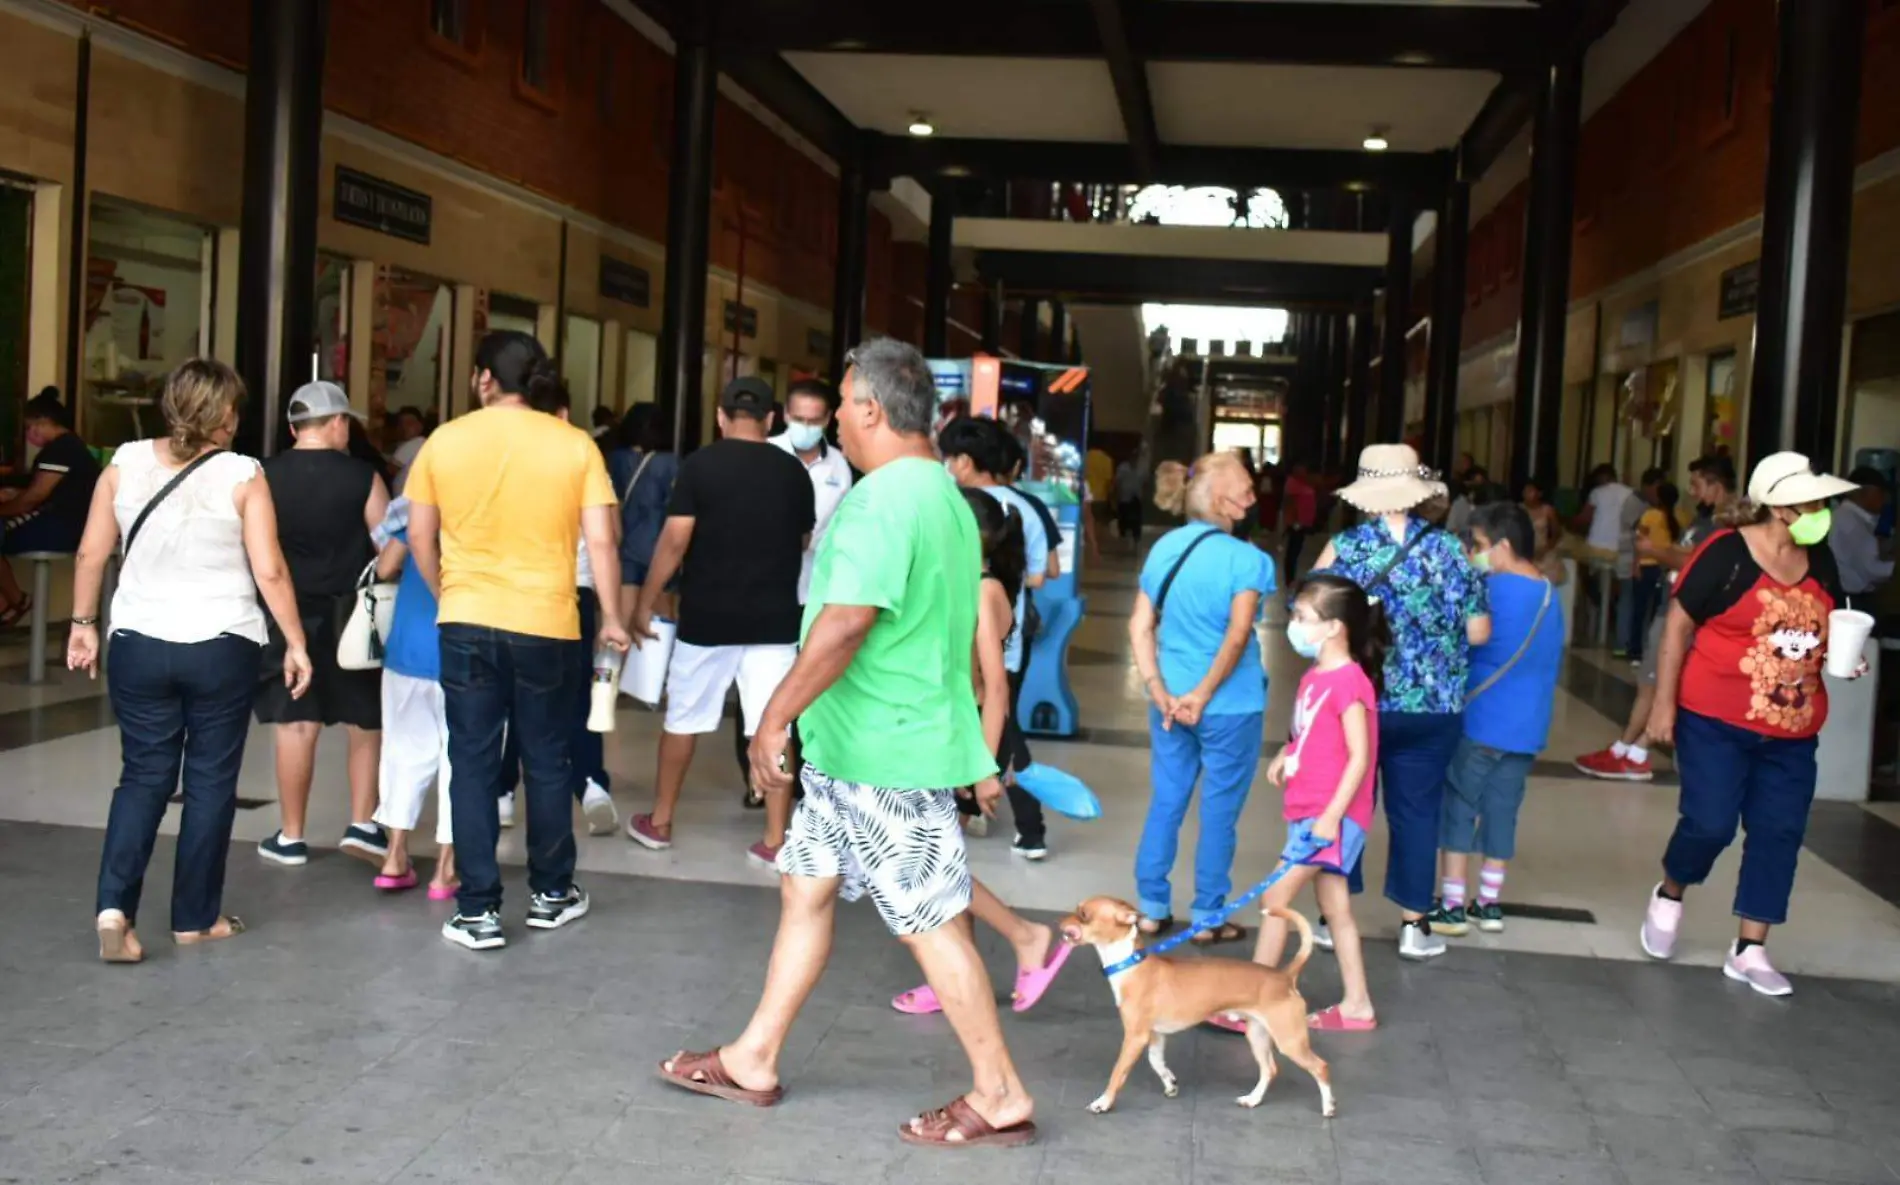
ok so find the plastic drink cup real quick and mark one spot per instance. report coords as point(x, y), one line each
point(605, 691)
point(1847, 634)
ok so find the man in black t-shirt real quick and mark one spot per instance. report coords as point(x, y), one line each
point(741, 513)
point(50, 513)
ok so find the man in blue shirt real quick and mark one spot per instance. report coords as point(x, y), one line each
point(977, 453)
point(1510, 691)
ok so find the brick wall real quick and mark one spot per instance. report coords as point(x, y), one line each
point(598, 139)
point(1677, 156)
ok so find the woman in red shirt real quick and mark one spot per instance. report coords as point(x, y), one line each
point(1739, 689)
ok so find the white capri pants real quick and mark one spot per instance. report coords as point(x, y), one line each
point(698, 678)
point(415, 754)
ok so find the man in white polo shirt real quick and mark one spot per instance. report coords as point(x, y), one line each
point(807, 418)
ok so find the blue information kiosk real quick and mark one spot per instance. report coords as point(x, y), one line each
point(1047, 408)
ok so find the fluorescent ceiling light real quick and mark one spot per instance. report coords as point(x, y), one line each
point(920, 125)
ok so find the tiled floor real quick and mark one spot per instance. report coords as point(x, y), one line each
point(340, 1041)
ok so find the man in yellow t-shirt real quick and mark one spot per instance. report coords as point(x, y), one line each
point(500, 500)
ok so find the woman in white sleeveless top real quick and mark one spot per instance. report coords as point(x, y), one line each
point(200, 544)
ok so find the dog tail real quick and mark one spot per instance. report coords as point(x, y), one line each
point(1298, 922)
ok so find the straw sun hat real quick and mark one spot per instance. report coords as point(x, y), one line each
point(1391, 480)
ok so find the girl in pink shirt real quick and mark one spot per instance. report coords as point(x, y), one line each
point(1327, 771)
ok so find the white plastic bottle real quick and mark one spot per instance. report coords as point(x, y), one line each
point(606, 689)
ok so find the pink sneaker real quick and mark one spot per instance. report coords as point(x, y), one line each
point(641, 830)
point(1660, 924)
point(763, 856)
point(1753, 968)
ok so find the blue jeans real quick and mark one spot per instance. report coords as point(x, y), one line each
point(1415, 750)
point(491, 678)
point(1223, 753)
point(178, 704)
point(1734, 775)
point(1483, 790)
point(1644, 594)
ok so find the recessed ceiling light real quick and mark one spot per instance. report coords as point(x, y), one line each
point(920, 125)
point(1377, 141)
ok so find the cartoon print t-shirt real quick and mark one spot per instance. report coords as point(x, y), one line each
point(1756, 659)
point(1316, 755)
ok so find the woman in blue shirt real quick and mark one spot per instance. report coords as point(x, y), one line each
point(642, 468)
point(1435, 606)
point(1194, 644)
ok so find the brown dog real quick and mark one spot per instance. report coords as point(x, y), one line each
point(1158, 996)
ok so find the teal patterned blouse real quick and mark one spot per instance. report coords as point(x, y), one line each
point(1427, 601)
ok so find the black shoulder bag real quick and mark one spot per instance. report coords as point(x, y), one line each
point(164, 493)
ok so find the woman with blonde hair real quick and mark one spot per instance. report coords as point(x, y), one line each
point(200, 545)
point(1194, 643)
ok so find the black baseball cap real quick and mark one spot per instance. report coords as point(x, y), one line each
point(747, 396)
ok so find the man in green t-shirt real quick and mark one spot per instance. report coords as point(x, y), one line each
point(887, 715)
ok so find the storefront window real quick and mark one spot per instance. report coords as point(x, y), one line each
point(580, 368)
point(330, 341)
point(510, 312)
point(1872, 414)
point(1721, 430)
point(409, 346)
point(640, 367)
point(147, 298)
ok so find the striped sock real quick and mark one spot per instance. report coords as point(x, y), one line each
point(1490, 885)
point(1454, 894)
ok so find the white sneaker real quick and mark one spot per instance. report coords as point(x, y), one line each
point(1416, 941)
point(1753, 968)
point(1322, 935)
point(506, 808)
point(598, 806)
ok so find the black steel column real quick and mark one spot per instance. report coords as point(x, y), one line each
point(939, 277)
point(76, 238)
point(1058, 350)
point(277, 260)
point(1339, 365)
point(682, 361)
point(1448, 321)
point(1540, 329)
point(854, 227)
point(1794, 395)
point(1330, 398)
point(1031, 330)
point(1389, 419)
point(993, 318)
point(1359, 400)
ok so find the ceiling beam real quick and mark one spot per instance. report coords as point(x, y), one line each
point(772, 81)
point(1085, 278)
point(1293, 32)
point(1418, 173)
point(1130, 74)
point(1574, 26)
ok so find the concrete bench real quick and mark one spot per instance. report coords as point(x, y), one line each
point(42, 562)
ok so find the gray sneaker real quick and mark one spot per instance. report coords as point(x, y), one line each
point(1322, 935)
point(1417, 942)
point(552, 911)
point(481, 932)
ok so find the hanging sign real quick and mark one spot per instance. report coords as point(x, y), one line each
point(742, 317)
point(625, 283)
point(1741, 289)
point(383, 206)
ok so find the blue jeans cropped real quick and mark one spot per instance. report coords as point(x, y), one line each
point(1223, 754)
point(1734, 776)
point(492, 678)
point(179, 705)
point(1483, 790)
point(1415, 750)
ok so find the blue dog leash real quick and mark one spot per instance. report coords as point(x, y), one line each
point(1302, 848)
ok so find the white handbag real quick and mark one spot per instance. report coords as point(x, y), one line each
point(360, 647)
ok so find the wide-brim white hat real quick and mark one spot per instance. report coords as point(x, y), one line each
point(1390, 479)
point(1789, 479)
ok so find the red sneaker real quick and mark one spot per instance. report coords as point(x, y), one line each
point(1608, 766)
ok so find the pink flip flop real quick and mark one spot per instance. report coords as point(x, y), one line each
point(1031, 985)
point(396, 884)
point(442, 892)
point(1332, 1020)
point(920, 1001)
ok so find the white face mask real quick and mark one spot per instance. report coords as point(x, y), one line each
point(804, 437)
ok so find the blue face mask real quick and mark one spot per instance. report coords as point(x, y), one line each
point(1302, 640)
point(804, 437)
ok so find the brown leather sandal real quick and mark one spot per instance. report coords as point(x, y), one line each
point(225, 927)
point(959, 1126)
point(705, 1073)
point(1220, 935)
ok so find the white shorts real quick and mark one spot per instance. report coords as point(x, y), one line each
point(415, 754)
point(904, 846)
point(698, 678)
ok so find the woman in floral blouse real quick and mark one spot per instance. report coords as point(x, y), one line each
point(1435, 606)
